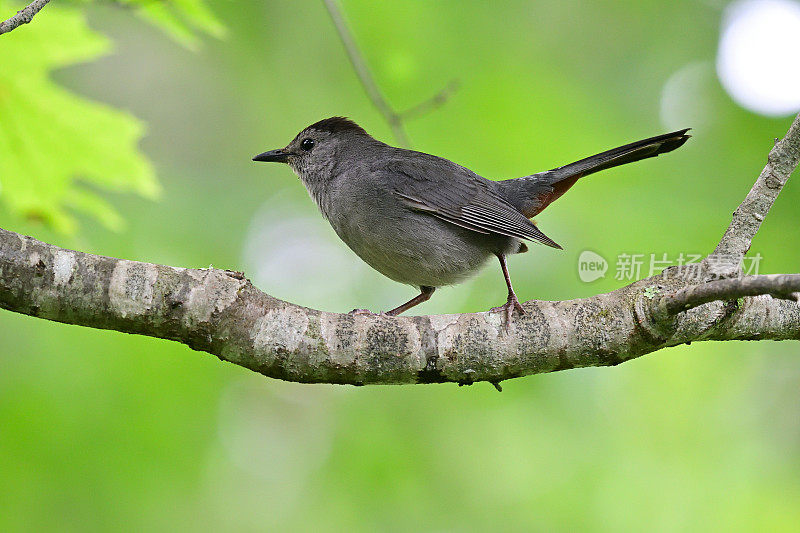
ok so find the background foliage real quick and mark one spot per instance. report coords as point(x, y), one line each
point(100, 430)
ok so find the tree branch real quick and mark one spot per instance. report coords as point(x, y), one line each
point(782, 286)
point(222, 313)
point(392, 117)
point(23, 16)
point(747, 218)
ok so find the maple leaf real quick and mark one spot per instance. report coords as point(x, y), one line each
point(180, 19)
point(58, 148)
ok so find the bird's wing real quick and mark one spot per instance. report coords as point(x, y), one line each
point(457, 195)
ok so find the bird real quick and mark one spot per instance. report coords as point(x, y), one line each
point(425, 221)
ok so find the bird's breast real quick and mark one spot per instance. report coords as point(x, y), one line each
point(411, 247)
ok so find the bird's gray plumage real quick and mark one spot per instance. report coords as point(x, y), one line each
point(421, 219)
point(457, 195)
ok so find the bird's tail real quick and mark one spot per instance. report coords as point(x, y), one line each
point(531, 194)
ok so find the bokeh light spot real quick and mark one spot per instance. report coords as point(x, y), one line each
point(758, 61)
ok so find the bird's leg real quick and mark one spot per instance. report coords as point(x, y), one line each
point(423, 296)
point(512, 303)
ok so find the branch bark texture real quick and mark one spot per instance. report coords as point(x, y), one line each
point(220, 312)
point(23, 16)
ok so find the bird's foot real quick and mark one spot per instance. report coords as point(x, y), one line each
point(508, 308)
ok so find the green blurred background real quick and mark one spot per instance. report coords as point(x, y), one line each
point(105, 431)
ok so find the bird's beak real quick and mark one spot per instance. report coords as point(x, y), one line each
point(278, 156)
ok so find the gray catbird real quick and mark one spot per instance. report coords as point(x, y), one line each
point(426, 221)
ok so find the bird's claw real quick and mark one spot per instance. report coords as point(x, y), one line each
point(508, 308)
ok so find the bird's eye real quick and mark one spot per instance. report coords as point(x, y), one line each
point(307, 144)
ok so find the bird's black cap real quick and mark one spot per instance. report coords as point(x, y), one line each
point(337, 125)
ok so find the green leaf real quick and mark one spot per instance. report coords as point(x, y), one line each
point(52, 142)
point(180, 19)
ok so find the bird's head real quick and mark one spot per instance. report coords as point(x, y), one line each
point(315, 151)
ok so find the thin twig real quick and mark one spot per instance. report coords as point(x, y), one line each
point(392, 117)
point(782, 286)
point(726, 260)
point(23, 16)
point(782, 160)
point(437, 100)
